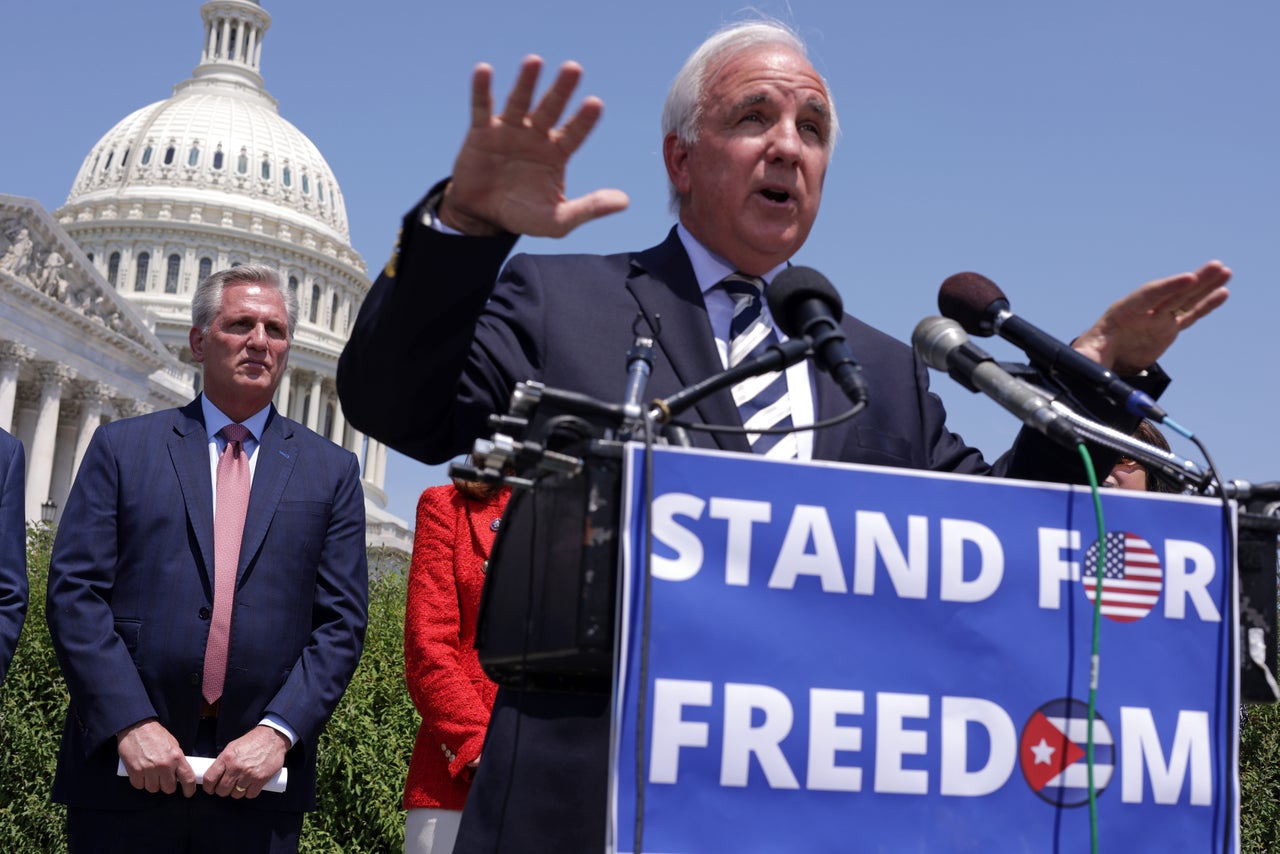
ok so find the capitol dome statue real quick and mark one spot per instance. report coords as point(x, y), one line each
point(211, 177)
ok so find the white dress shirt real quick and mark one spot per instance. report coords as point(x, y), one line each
point(710, 270)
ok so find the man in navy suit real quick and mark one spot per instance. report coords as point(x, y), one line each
point(132, 601)
point(748, 128)
point(13, 548)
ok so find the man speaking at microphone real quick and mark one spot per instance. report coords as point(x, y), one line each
point(748, 130)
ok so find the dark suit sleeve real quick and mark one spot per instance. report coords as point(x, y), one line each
point(412, 339)
point(13, 548)
point(107, 692)
point(339, 612)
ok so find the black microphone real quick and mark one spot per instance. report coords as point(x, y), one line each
point(979, 305)
point(1246, 491)
point(945, 347)
point(803, 303)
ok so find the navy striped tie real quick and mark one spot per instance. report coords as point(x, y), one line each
point(762, 401)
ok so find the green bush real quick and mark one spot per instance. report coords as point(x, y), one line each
point(1260, 780)
point(33, 704)
point(364, 752)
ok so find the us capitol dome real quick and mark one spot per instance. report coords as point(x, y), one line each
point(209, 178)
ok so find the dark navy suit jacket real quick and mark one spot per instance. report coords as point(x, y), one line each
point(130, 597)
point(13, 547)
point(438, 346)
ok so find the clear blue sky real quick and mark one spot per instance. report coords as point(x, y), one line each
point(1069, 152)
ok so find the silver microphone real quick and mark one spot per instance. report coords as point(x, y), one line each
point(944, 346)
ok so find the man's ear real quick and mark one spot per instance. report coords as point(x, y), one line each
point(676, 156)
point(196, 339)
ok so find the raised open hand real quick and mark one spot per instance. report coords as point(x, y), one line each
point(510, 173)
point(1136, 330)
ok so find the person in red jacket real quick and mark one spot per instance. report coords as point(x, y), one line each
point(455, 531)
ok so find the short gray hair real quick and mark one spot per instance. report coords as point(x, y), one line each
point(207, 301)
point(682, 111)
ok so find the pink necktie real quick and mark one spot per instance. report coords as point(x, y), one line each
point(228, 527)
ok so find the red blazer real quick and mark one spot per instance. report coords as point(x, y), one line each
point(453, 696)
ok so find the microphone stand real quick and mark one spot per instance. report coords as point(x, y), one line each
point(777, 357)
point(548, 429)
point(1171, 465)
point(1177, 468)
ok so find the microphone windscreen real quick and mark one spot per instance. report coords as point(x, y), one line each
point(790, 289)
point(966, 299)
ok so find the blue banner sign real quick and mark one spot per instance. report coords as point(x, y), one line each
point(844, 658)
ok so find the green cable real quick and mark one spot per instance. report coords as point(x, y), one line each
point(1094, 643)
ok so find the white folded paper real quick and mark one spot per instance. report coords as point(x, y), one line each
point(200, 764)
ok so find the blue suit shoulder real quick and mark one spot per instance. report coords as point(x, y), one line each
point(8, 444)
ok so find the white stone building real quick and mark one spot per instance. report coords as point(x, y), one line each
point(97, 297)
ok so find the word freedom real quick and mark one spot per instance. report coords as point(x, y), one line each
point(754, 721)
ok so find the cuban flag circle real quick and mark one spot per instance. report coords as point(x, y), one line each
point(1053, 756)
point(1131, 577)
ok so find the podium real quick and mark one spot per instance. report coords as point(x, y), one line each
point(829, 657)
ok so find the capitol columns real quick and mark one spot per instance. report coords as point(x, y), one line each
point(380, 468)
point(313, 404)
point(282, 392)
point(355, 444)
point(53, 379)
point(12, 355)
point(339, 419)
point(93, 400)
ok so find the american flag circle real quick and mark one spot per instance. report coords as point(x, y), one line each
point(1131, 577)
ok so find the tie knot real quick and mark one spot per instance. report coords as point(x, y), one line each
point(235, 433)
point(739, 285)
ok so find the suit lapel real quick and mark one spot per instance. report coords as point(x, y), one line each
point(189, 453)
point(277, 456)
point(663, 283)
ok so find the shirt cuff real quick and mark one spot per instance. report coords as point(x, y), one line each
point(431, 213)
point(277, 723)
